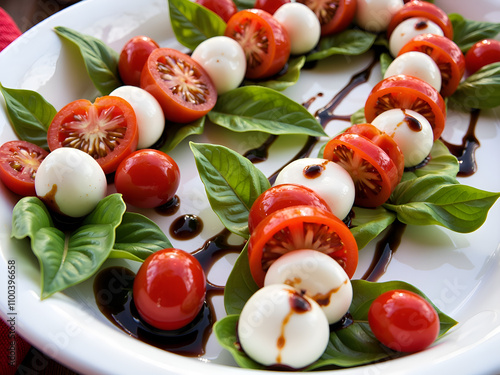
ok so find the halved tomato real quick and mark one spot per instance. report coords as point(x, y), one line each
point(334, 15)
point(447, 55)
point(373, 172)
point(183, 88)
point(300, 227)
point(19, 162)
point(407, 92)
point(264, 40)
point(106, 129)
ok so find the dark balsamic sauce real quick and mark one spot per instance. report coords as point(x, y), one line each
point(186, 227)
point(170, 208)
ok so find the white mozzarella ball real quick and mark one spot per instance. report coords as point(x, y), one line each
point(410, 28)
point(317, 275)
point(375, 15)
point(328, 179)
point(416, 64)
point(302, 25)
point(224, 60)
point(70, 181)
point(410, 130)
point(150, 117)
point(280, 326)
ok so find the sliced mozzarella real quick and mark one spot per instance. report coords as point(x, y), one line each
point(280, 326)
point(409, 29)
point(316, 275)
point(375, 15)
point(150, 117)
point(224, 60)
point(70, 181)
point(411, 131)
point(328, 179)
point(416, 64)
point(302, 25)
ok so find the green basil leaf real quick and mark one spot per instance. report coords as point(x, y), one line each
point(467, 32)
point(193, 23)
point(232, 184)
point(109, 210)
point(348, 42)
point(137, 237)
point(289, 78)
point(385, 60)
point(176, 133)
point(367, 223)
point(30, 114)
point(100, 60)
point(358, 117)
point(28, 217)
point(244, 4)
point(257, 108)
point(481, 90)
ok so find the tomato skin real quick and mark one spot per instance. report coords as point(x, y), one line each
point(147, 178)
point(80, 119)
point(19, 161)
point(344, 12)
point(169, 289)
point(270, 6)
point(180, 102)
point(403, 321)
point(270, 61)
point(282, 196)
point(481, 54)
point(225, 9)
point(407, 92)
point(133, 56)
point(341, 243)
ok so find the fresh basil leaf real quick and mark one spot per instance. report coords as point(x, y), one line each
point(348, 42)
point(257, 108)
point(244, 4)
point(468, 32)
point(232, 184)
point(193, 23)
point(28, 217)
point(109, 210)
point(30, 114)
point(176, 133)
point(385, 61)
point(481, 90)
point(100, 60)
point(358, 117)
point(368, 223)
point(289, 78)
point(441, 200)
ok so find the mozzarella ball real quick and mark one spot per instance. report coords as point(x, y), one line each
point(410, 130)
point(409, 29)
point(224, 60)
point(302, 25)
point(416, 64)
point(375, 15)
point(70, 182)
point(280, 326)
point(328, 179)
point(316, 275)
point(150, 117)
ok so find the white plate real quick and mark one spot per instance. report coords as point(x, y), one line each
point(460, 273)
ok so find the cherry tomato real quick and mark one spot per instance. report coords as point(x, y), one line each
point(374, 173)
point(19, 162)
point(133, 57)
point(147, 178)
point(281, 196)
point(264, 40)
point(447, 55)
point(106, 129)
point(407, 92)
point(183, 88)
point(225, 9)
point(169, 289)
point(424, 9)
point(334, 15)
point(481, 54)
point(300, 227)
point(403, 321)
point(270, 6)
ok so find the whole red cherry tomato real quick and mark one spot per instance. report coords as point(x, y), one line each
point(481, 54)
point(225, 9)
point(270, 6)
point(133, 56)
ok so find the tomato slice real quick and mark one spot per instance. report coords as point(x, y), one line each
point(106, 129)
point(264, 40)
point(447, 55)
point(183, 88)
point(19, 162)
point(407, 92)
point(424, 9)
point(300, 227)
point(334, 15)
point(374, 173)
